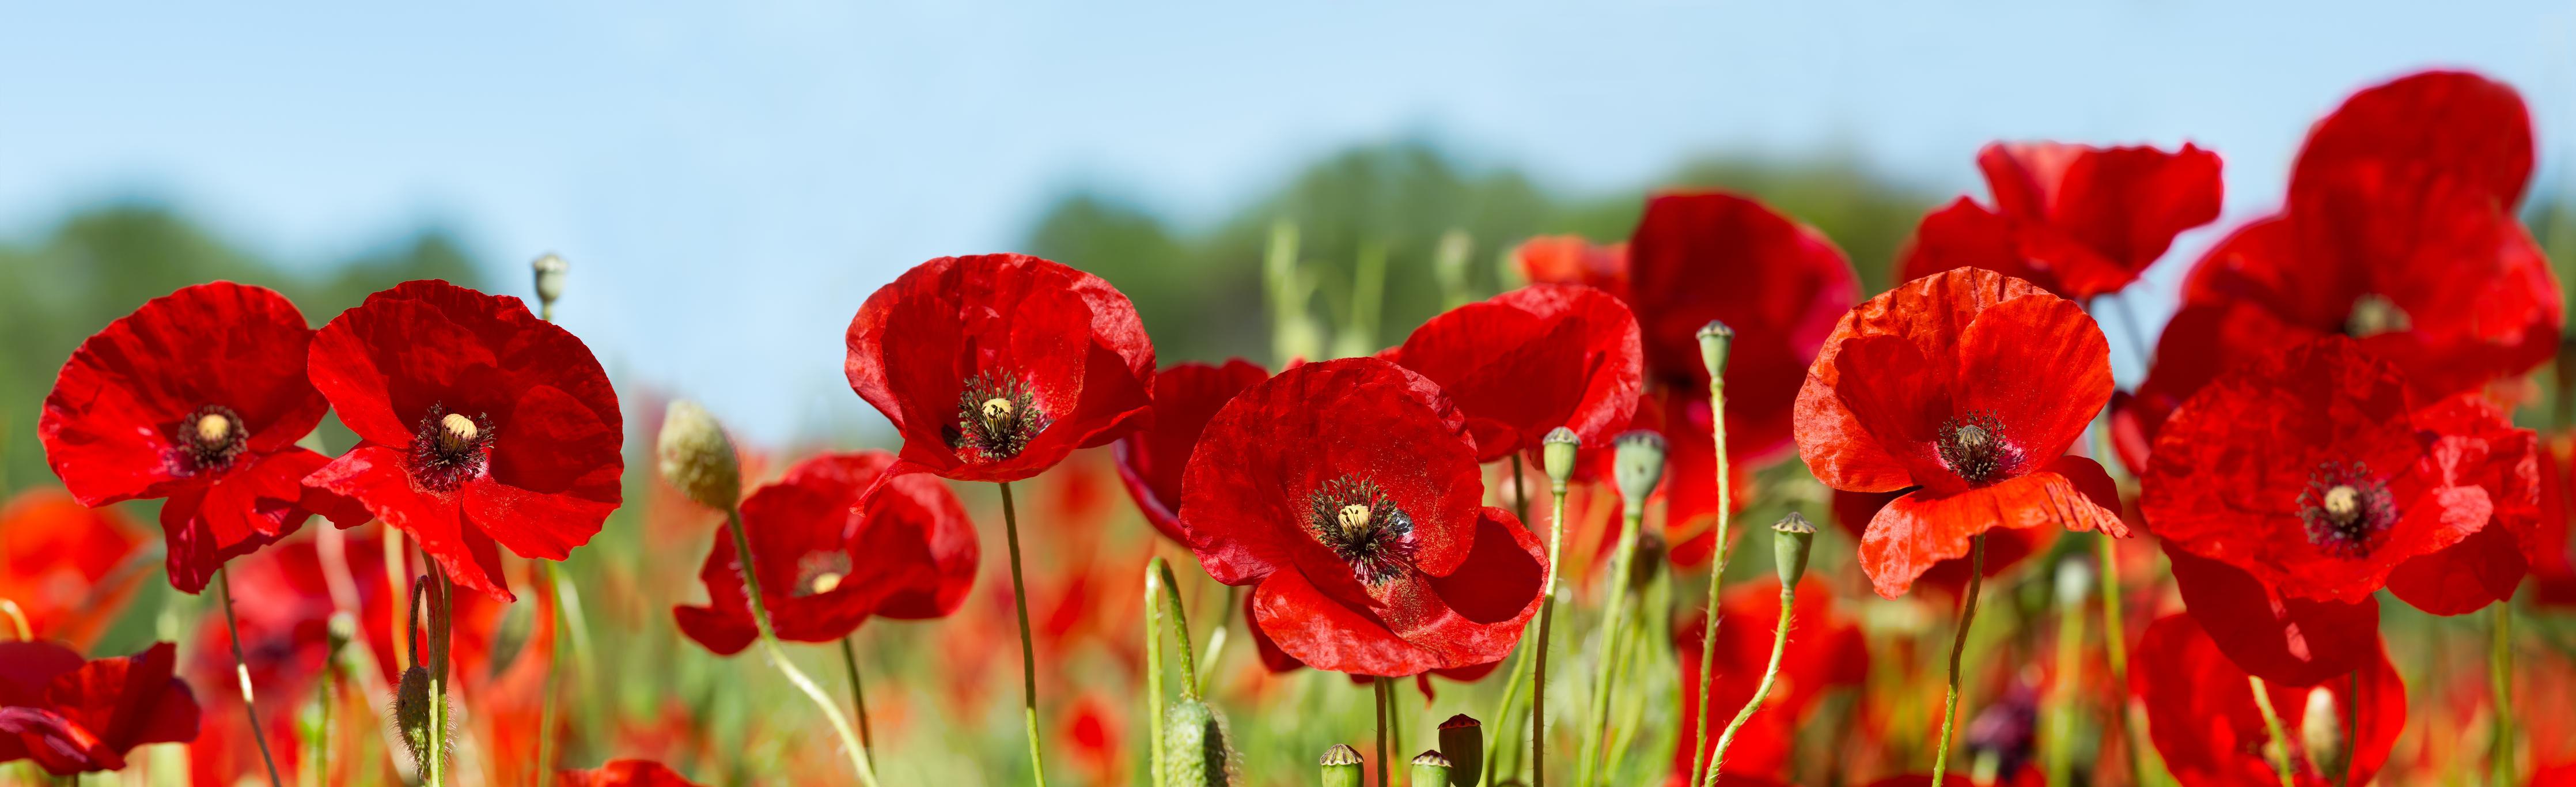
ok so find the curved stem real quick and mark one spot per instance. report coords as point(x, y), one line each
point(858, 696)
point(2272, 723)
point(1154, 672)
point(778, 654)
point(399, 579)
point(1028, 648)
point(1959, 643)
point(1216, 640)
point(1701, 761)
point(241, 669)
point(2500, 685)
point(1779, 646)
point(1180, 629)
point(1546, 616)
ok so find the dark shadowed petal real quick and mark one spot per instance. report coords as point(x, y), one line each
point(2290, 640)
point(1151, 460)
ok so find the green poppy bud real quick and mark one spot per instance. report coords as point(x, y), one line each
point(550, 271)
point(2321, 732)
point(411, 714)
point(1462, 737)
point(1341, 765)
point(1638, 465)
point(1714, 340)
point(1430, 770)
point(1557, 454)
point(1198, 748)
point(1790, 538)
point(698, 458)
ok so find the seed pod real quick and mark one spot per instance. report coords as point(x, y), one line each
point(1714, 340)
point(1341, 766)
point(2321, 731)
point(1638, 465)
point(1462, 738)
point(1557, 454)
point(1198, 747)
point(698, 458)
point(1430, 770)
point(1790, 538)
point(550, 271)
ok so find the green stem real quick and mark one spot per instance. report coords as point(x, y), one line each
point(858, 696)
point(778, 654)
point(1779, 646)
point(2115, 642)
point(1621, 566)
point(2059, 740)
point(1546, 617)
point(1959, 643)
point(2500, 683)
point(1180, 629)
point(1154, 672)
point(546, 703)
point(2280, 737)
point(241, 670)
point(1385, 709)
point(441, 607)
point(1028, 647)
point(1701, 760)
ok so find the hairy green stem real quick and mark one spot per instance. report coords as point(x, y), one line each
point(2280, 736)
point(241, 670)
point(1597, 723)
point(1028, 647)
point(778, 654)
point(1154, 672)
point(1701, 761)
point(1779, 647)
point(1546, 618)
point(2500, 684)
point(1180, 629)
point(1958, 644)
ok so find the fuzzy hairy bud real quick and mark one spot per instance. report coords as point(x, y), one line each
point(1198, 747)
point(698, 458)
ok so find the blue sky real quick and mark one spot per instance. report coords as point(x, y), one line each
point(730, 180)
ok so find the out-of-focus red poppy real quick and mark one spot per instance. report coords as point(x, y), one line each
point(1530, 361)
point(1825, 651)
point(995, 367)
point(65, 564)
point(2399, 230)
point(74, 716)
point(828, 560)
point(1569, 259)
point(2311, 471)
point(197, 397)
point(2489, 564)
point(1097, 736)
point(1970, 385)
point(2202, 717)
point(2076, 220)
point(624, 773)
point(478, 424)
point(2553, 564)
point(283, 636)
point(2005, 548)
point(1150, 460)
point(1347, 492)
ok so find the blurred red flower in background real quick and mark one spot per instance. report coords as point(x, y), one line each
point(478, 423)
point(65, 565)
point(1150, 460)
point(2202, 716)
point(1532, 360)
point(2078, 221)
point(624, 773)
point(1970, 385)
point(828, 560)
point(1348, 493)
point(197, 397)
point(995, 367)
point(1825, 652)
point(1568, 259)
point(73, 716)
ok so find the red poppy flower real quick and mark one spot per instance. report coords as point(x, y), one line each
point(624, 773)
point(2079, 221)
point(1529, 361)
point(2399, 230)
point(2553, 565)
point(197, 397)
point(828, 559)
point(995, 367)
point(1278, 661)
point(1825, 651)
point(73, 716)
point(1150, 460)
point(2312, 472)
point(2489, 564)
point(1568, 259)
point(1970, 385)
point(478, 423)
point(1347, 492)
point(2202, 717)
point(2281, 638)
point(2006, 548)
point(66, 565)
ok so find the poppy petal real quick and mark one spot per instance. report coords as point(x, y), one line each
point(1315, 629)
point(2043, 370)
point(1921, 529)
point(2288, 640)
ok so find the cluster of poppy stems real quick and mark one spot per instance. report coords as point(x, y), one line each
point(2325, 417)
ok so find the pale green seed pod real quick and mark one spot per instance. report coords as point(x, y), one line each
point(2321, 731)
point(1198, 747)
point(1341, 766)
point(1714, 341)
point(1462, 738)
point(550, 271)
point(698, 458)
point(1430, 770)
point(1638, 465)
point(1557, 454)
point(1790, 539)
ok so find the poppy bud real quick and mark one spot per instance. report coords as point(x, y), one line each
point(411, 714)
point(550, 271)
point(1463, 739)
point(1198, 748)
point(698, 458)
point(1341, 766)
point(1638, 465)
point(1649, 561)
point(2321, 732)
point(1430, 769)
point(1790, 538)
point(1714, 340)
point(2074, 582)
point(1557, 454)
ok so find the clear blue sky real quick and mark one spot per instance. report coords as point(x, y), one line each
point(730, 180)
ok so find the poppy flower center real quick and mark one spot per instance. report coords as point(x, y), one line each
point(449, 449)
point(1973, 447)
point(211, 438)
point(2374, 314)
point(2347, 512)
point(820, 572)
point(1362, 526)
point(997, 416)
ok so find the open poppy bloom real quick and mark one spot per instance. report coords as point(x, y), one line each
point(2202, 716)
point(2005, 549)
point(624, 773)
point(828, 560)
point(1150, 460)
point(1532, 360)
point(1347, 493)
point(1569, 259)
point(2076, 220)
point(2400, 231)
point(74, 716)
point(1825, 651)
point(1969, 385)
point(477, 424)
point(65, 564)
point(197, 397)
point(995, 367)
point(2489, 564)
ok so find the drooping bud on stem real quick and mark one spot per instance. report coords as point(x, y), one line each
point(1341, 766)
point(411, 715)
point(1430, 770)
point(1714, 341)
point(1198, 749)
point(698, 458)
point(1790, 539)
point(2321, 732)
point(1557, 455)
point(1638, 465)
point(1463, 739)
point(550, 271)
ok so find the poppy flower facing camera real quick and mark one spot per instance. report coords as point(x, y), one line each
point(198, 397)
point(479, 426)
point(1969, 385)
point(994, 367)
point(1347, 493)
